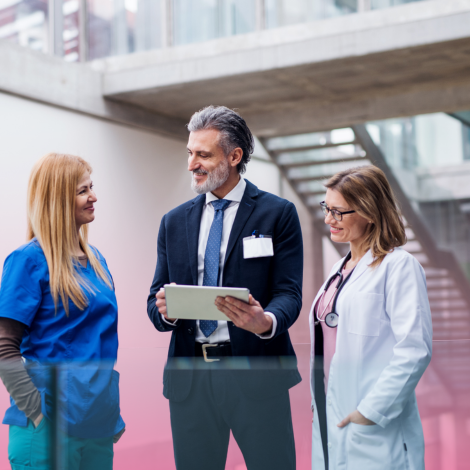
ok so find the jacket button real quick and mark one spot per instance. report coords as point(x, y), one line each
point(191, 331)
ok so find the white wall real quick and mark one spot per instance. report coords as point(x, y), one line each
point(138, 177)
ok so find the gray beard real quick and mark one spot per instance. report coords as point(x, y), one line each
point(214, 180)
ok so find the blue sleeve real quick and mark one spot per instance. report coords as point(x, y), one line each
point(103, 263)
point(21, 287)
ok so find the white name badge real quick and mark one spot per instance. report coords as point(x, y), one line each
point(257, 247)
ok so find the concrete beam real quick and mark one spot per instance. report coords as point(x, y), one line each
point(394, 62)
point(76, 87)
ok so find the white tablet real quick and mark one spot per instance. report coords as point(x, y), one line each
point(197, 302)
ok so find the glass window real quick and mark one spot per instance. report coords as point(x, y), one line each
point(24, 22)
point(203, 20)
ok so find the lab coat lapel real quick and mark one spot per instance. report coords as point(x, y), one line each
point(360, 269)
point(247, 205)
point(193, 224)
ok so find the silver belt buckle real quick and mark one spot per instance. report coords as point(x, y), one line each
point(204, 352)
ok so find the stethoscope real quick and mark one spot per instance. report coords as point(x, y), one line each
point(332, 318)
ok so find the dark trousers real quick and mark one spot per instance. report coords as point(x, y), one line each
point(202, 422)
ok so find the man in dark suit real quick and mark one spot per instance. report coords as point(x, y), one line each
point(239, 372)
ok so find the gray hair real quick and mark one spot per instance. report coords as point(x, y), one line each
point(232, 127)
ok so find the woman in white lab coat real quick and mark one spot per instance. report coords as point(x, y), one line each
point(373, 331)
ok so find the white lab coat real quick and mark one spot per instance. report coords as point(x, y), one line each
point(383, 346)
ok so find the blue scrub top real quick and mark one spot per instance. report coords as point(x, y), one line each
point(83, 346)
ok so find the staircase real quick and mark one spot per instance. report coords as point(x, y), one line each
point(307, 161)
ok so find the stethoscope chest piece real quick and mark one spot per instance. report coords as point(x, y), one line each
point(332, 319)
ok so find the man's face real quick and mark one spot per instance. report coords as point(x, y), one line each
point(207, 161)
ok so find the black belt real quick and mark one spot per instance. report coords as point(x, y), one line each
point(213, 352)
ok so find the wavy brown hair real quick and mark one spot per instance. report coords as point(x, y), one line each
point(51, 219)
point(368, 192)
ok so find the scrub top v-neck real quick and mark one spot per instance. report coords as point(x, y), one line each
point(83, 345)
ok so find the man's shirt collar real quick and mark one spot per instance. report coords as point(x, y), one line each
point(234, 195)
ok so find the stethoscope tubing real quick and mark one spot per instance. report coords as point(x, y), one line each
point(331, 319)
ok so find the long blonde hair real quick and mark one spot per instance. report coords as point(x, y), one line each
point(51, 219)
point(367, 190)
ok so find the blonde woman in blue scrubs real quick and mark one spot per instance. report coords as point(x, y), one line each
point(58, 307)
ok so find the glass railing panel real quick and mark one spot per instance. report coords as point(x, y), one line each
point(25, 22)
point(118, 27)
point(378, 4)
point(444, 405)
point(203, 20)
point(147, 441)
point(442, 396)
point(286, 12)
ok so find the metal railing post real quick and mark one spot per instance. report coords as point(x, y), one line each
point(55, 28)
point(83, 30)
point(260, 15)
point(55, 444)
point(167, 23)
point(363, 5)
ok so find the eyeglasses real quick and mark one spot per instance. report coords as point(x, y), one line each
point(337, 215)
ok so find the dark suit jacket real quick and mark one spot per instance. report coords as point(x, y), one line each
point(276, 282)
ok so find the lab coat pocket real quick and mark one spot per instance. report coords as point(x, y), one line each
point(373, 447)
point(368, 310)
point(365, 428)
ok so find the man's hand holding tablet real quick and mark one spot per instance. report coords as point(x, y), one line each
point(161, 304)
point(249, 316)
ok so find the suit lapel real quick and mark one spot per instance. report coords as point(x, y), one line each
point(247, 205)
point(193, 224)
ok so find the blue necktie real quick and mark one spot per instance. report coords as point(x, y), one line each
point(212, 258)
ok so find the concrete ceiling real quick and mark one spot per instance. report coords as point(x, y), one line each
point(403, 61)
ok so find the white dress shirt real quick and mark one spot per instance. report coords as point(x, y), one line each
point(221, 334)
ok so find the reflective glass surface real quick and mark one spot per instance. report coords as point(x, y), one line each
point(117, 27)
point(442, 395)
point(202, 20)
point(285, 12)
point(429, 156)
point(377, 4)
point(71, 30)
point(25, 22)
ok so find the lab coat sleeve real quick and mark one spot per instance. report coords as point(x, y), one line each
point(407, 306)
